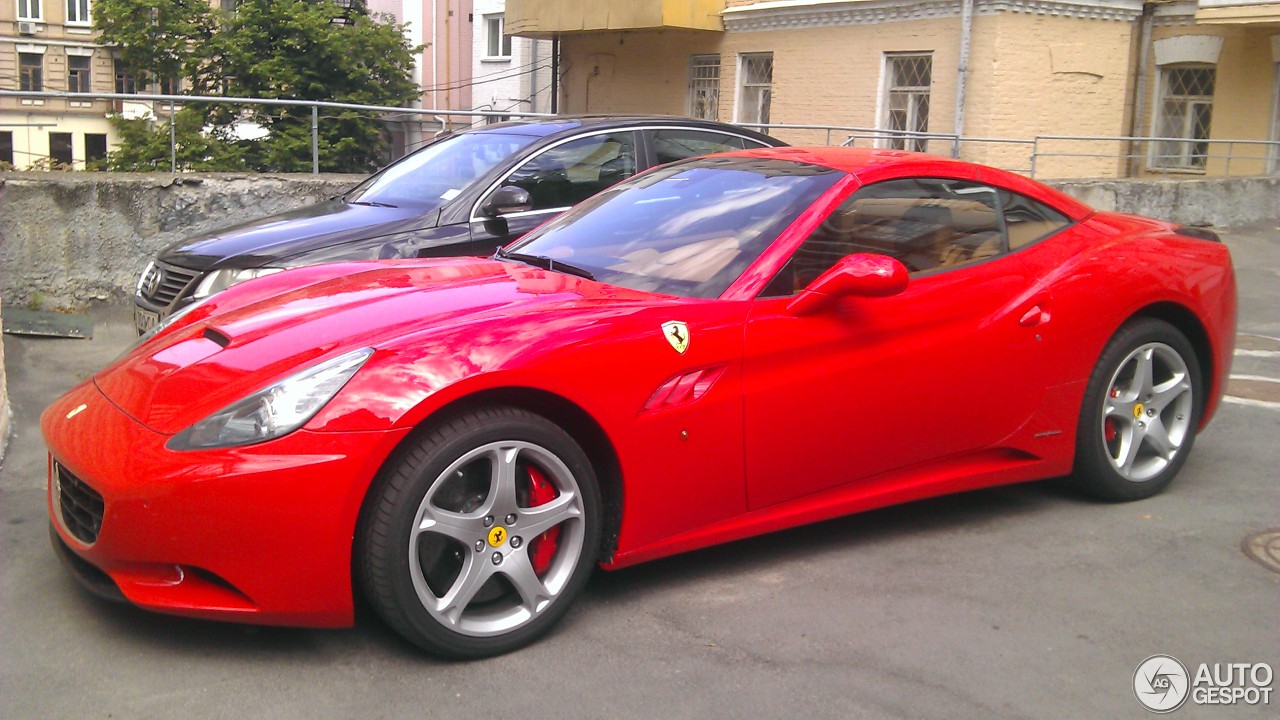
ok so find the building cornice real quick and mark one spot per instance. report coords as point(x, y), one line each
point(796, 14)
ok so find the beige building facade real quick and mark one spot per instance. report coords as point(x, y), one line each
point(996, 72)
point(51, 45)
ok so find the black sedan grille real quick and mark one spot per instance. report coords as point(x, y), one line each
point(80, 504)
point(163, 283)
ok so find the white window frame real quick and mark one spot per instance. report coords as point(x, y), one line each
point(740, 108)
point(76, 6)
point(708, 84)
point(503, 41)
point(33, 8)
point(1157, 159)
point(884, 104)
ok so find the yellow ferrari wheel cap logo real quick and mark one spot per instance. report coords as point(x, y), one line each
point(1138, 410)
point(497, 536)
point(676, 333)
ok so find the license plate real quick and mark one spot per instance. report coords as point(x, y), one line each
point(144, 320)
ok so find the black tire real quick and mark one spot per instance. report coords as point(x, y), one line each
point(1119, 408)
point(411, 557)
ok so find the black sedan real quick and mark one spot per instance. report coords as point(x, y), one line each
point(464, 194)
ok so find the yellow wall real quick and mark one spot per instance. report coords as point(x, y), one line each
point(1244, 95)
point(544, 18)
point(1029, 75)
point(1048, 75)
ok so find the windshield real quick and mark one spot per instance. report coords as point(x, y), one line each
point(688, 230)
point(438, 172)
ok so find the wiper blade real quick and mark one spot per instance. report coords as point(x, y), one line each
point(369, 203)
point(544, 262)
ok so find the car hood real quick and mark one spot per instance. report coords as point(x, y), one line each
point(260, 242)
point(294, 319)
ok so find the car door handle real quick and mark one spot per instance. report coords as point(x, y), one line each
point(1037, 315)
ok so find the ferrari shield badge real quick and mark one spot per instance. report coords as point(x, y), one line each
point(676, 333)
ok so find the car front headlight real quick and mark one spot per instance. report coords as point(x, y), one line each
point(219, 280)
point(275, 410)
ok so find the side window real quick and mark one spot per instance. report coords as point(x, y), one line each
point(672, 145)
point(567, 174)
point(926, 223)
point(1027, 221)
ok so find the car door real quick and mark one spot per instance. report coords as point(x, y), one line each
point(557, 178)
point(942, 372)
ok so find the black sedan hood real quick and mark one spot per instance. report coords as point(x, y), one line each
point(258, 243)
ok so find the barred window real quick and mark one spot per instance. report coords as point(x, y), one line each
point(1185, 110)
point(906, 102)
point(704, 87)
point(755, 88)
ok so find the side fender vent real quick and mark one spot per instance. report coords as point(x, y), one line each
point(683, 388)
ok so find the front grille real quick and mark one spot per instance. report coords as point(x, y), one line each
point(81, 506)
point(173, 283)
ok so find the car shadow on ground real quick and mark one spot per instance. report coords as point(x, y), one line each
point(968, 511)
point(189, 637)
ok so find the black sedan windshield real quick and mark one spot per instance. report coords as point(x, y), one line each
point(688, 230)
point(439, 172)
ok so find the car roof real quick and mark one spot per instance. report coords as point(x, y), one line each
point(547, 126)
point(874, 164)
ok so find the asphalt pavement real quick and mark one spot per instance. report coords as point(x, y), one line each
point(1018, 602)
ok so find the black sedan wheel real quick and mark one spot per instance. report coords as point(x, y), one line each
point(480, 536)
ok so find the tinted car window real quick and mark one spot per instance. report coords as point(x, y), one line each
point(440, 171)
point(672, 145)
point(569, 173)
point(926, 223)
point(689, 229)
point(1027, 221)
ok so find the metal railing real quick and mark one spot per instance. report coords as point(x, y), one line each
point(169, 103)
point(1126, 156)
point(1145, 155)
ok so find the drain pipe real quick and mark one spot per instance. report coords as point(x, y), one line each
point(555, 74)
point(1140, 86)
point(962, 72)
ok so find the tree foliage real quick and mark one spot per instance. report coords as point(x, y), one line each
point(287, 49)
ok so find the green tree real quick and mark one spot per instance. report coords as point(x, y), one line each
point(288, 49)
point(154, 38)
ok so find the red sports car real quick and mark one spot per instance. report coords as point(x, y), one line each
point(711, 350)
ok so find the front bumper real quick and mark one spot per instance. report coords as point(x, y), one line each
point(258, 534)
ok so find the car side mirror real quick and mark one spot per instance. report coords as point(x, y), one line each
point(506, 200)
point(859, 275)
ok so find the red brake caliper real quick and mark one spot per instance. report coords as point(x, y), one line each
point(543, 548)
point(1109, 432)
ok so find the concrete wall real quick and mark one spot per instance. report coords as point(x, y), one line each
point(1222, 201)
point(67, 239)
point(4, 401)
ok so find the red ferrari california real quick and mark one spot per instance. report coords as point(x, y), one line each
point(711, 350)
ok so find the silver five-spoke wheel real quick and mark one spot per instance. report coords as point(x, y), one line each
point(1146, 413)
point(475, 539)
point(1140, 412)
point(513, 516)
